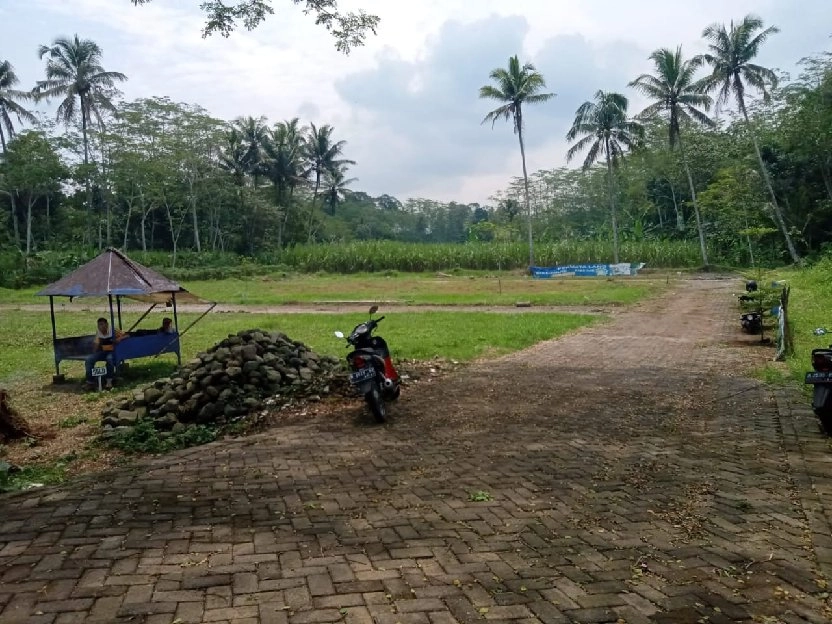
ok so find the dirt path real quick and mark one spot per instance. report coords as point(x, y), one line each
point(324, 308)
point(626, 473)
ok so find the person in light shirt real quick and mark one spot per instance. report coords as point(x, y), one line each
point(105, 339)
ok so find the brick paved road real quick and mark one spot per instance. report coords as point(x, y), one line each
point(634, 476)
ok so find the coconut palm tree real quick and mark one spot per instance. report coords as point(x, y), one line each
point(74, 73)
point(284, 159)
point(323, 155)
point(732, 51)
point(286, 166)
point(10, 106)
point(337, 188)
point(678, 97)
point(514, 87)
point(606, 132)
point(232, 156)
point(254, 134)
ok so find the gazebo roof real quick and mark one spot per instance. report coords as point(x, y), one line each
point(113, 273)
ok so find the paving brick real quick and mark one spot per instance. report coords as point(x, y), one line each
point(189, 612)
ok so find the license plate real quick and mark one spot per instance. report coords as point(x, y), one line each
point(818, 377)
point(362, 374)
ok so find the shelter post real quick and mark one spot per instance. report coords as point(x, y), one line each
point(118, 305)
point(58, 377)
point(112, 316)
point(176, 326)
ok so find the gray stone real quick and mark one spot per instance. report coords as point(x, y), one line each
point(250, 367)
point(166, 422)
point(249, 352)
point(151, 395)
point(222, 354)
point(207, 413)
point(234, 371)
point(250, 403)
point(125, 418)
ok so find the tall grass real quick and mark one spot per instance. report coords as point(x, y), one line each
point(810, 307)
point(371, 256)
point(17, 270)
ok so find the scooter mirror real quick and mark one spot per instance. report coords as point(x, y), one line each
point(373, 309)
point(339, 334)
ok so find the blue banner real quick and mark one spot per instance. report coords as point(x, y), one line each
point(587, 270)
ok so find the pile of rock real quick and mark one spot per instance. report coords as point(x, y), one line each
point(230, 380)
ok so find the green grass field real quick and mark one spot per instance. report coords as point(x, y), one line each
point(26, 337)
point(407, 288)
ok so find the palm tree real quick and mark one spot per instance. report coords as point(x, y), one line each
point(74, 73)
point(514, 87)
point(10, 107)
point(607, 132)
point(679, 98)
point(284, 161)
point(323, 156)
point(285, 166)
point(253, 133)
point(232, 157)
point(337, 187)
point(731, 52)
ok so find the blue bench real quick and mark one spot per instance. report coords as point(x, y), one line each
point(135, 346)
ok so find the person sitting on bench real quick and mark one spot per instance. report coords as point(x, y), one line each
point(167, 326)
point(105, 338)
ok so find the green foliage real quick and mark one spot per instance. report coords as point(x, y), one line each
point(34, 476)
point(480, 496)
point(145, 438)
point(73, 421)
point(810, 307)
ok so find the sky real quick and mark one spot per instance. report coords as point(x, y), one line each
point(406, 103)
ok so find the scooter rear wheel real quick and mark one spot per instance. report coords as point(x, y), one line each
point(376, 404)
point(822, 406)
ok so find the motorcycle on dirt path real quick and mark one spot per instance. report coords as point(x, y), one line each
point(372, 372)
point(821, 380)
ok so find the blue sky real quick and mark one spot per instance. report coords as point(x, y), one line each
point(407, 102)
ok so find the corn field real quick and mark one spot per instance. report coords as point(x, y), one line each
point(371, 256)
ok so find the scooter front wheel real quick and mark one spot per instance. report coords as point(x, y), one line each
point(376, 404)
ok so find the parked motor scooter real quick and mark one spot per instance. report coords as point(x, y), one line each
point(821, 380)
point(372, 372)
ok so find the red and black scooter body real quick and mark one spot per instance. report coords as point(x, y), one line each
point(371, 368)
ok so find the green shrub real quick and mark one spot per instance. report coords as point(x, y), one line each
point(145, 438)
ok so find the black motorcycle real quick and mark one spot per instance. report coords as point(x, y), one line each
point(371, 369)
point(821, 380)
